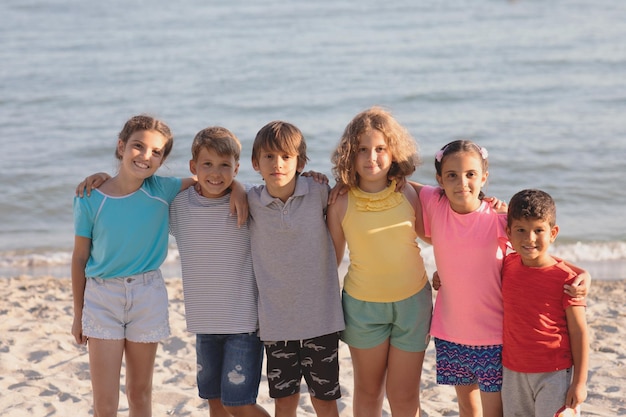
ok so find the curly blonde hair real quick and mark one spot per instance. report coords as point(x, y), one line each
point(401, 144)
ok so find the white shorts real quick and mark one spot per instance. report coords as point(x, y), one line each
point(134, 308)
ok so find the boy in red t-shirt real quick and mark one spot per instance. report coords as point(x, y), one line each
point(545, 342)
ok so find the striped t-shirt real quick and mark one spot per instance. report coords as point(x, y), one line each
point(218, 280)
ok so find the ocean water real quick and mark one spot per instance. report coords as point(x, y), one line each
point(542, 85)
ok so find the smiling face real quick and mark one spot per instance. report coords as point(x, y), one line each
point(462, 178)
point(373, 161)
point(142, 154)
point(531, 238)
point(215, 172)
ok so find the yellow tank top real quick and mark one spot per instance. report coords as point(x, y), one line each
point(385, 260)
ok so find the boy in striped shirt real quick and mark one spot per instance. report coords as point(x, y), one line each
point(219, 286)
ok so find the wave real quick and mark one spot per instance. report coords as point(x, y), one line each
point(604, 260)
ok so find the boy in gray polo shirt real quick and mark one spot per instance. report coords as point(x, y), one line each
point(300, 314)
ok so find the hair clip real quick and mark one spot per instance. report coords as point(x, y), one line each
point(439, 155)
point(483, 152)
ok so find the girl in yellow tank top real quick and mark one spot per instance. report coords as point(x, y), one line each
point(387, 298)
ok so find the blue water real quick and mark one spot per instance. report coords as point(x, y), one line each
point(541, 84)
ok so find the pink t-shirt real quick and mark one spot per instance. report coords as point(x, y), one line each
point(469, 249)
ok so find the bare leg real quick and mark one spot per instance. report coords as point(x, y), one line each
point(139, 369)
point(469, 400)
point(492, 404)
point(325, 408)
point(404, 371)
point(105, 363)
point(250, 410)
point(287, 406)
point(217, 409)
point(369, 367)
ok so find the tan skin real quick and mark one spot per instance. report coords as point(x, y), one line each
point(279, 172)
point(383, 369)
point(141, 156)
point(462, 178)
point(531, 238)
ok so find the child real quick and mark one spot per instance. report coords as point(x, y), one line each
point(545, 331)
point(218, 281)
point(469, 241)
point(294, 263)
point(387, 299)
point(120, 299)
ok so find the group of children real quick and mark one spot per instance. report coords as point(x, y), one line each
point(271, 284)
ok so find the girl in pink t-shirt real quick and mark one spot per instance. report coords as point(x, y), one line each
point(468, 234)
point(469, 241)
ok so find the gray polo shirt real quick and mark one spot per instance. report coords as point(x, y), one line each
point(294, 263)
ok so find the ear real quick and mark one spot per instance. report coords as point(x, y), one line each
point(192, 167)
point(484, 180)
point(255, 165)
point(439, 181)
point(236, 169)
point(120, 147)
point(554, 232)
point(508, 232)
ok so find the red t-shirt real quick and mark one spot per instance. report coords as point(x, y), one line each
point(536, 338)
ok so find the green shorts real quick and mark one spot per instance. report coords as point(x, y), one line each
point(405, 323)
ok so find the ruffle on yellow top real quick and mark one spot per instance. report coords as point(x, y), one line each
point(382, 200)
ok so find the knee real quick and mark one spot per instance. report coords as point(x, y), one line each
point(139, 396)
point(287, 403)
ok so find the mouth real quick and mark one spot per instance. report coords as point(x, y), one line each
point(142, 165)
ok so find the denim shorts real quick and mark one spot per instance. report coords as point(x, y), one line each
point(132, 308)
point(229, 367)
point(467, 365)
point(406, 323)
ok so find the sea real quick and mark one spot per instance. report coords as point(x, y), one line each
point(541, 84)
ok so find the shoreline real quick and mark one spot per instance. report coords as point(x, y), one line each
point(44, 372)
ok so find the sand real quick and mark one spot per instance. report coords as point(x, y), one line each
point(44, 373)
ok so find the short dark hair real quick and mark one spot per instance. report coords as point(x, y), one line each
point(532, 204)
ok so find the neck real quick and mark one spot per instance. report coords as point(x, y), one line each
point(283, 193)
point(121, 185)
point(373, 186)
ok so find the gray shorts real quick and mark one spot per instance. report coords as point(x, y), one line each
point(537, 394)
point(132, 308)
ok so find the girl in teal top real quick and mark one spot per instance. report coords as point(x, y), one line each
point(120, 300)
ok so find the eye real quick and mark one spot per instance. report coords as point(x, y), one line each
point(157, 153)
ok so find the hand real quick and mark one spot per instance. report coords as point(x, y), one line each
point(576, 394)
point(400, 183)
point(317, 176)
point(336, 191)
point(77, 331)
point(436, 281)
point(580, 286)
point(498, 205)
point(91, 182)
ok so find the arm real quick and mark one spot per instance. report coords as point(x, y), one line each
point(91, 182)
point(239, 202)
point(579, 342)
point(334, 216)
point(82, 248)
point(417, 206)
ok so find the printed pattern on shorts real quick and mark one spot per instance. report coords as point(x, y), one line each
point(465, 365)
point(316, 359)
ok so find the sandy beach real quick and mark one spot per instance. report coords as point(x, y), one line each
point(44, 373)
